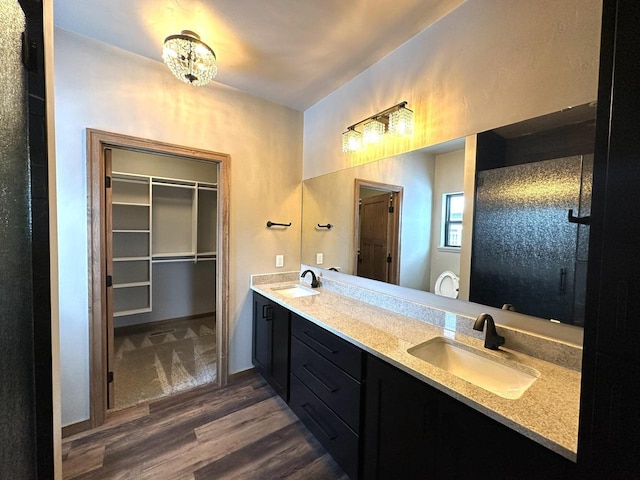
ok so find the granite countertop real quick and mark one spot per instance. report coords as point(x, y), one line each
point(547, 412)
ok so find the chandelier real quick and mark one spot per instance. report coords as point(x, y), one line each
point(189, 58)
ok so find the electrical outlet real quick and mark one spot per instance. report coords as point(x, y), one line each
point(279, 261)
point(319, 258)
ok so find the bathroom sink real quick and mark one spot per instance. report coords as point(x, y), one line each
point(502, 377)
point(295, 291)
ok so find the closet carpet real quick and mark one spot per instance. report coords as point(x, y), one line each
point(153, 361)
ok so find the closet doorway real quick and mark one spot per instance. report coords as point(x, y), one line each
point(159, 289)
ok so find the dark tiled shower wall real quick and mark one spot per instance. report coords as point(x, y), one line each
point(38, 162)
point(26, 436)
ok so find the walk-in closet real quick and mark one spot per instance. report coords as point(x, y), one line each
point(161, 264)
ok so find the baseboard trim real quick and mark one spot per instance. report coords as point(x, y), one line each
point(241, 376)
point(159, 325)
point(74, 428)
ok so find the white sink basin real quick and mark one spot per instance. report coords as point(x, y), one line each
point(506, 379)
point(295, 291)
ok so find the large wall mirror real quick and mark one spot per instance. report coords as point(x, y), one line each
point(526, 204)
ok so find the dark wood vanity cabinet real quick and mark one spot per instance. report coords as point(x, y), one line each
point(400, 433)
point(415, 431)
point(326, 390)
point(270, 349)
point(379, 422)
point(472, 445)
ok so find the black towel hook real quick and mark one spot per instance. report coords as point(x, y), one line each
point(274, 224)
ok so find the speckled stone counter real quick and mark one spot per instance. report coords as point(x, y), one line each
point(547, 412)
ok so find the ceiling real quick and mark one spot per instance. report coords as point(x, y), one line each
point(292, 52)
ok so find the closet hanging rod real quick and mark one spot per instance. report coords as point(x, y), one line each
point(274, 224)
point(328, 226)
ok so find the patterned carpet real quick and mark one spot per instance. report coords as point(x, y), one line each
point(153, 361)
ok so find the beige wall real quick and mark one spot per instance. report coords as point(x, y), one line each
point(106, 88)
point(449, 178)
point(484, 65)
point(331, 199)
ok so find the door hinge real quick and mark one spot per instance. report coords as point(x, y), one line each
point(109, 281)
point(107, 182)
point(109, 377)
point(389, 258)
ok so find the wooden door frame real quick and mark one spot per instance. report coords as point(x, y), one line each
point(97, 141)
point(394, 241)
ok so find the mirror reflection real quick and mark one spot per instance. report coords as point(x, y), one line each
point(398, 219)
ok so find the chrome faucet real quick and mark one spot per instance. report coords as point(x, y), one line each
point(492, 340)
point(315, 283)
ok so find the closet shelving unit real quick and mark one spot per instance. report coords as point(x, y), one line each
point(157, 220)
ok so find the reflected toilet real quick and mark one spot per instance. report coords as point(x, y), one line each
point(447, 284)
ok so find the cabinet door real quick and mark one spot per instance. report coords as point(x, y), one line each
point(280, 351)
point(270, 352)
point(473, 445)
point(262, 331)
point(400, 424)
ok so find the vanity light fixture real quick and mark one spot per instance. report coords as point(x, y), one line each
point(189, 58)
point(401, 122)
point(396, 121)
point(351, 140)
point(373, 131)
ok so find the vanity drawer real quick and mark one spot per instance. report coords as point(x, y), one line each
point(338, 351)
point(332, 385)
point(335, 435)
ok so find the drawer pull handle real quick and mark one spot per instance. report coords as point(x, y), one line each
point(320, 381)
point(267, 312)
point(318, 343)
point(327, 432)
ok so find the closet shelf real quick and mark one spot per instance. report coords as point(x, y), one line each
point(130, 259)
point(131, 284)
point(190, 186)
point(158, 220)
point(131, 177)
point(131, 204)
point(160, 256)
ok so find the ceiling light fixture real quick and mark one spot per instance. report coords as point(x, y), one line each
point(189, 58)
point(396, 121)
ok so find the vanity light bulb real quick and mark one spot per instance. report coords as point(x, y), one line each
point(372, 132)
point(351, 141)
point(401, 122)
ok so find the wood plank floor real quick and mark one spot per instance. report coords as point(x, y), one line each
point(244, 431)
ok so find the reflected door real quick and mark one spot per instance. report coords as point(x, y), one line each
point(375, 232)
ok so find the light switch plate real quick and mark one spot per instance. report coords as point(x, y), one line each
point(279, 261)
point(319, 258)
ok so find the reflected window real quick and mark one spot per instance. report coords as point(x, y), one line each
point(453, 204)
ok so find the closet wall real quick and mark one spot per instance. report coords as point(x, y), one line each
point(164, 237)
